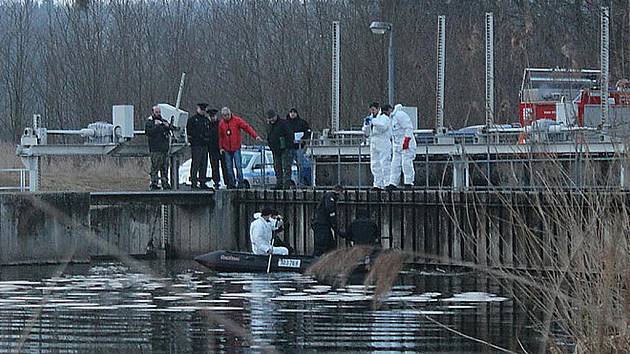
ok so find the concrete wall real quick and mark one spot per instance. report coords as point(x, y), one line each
point(43, 227)
point(198, 229)
point(193, 228)
point(496, 229)
point(126, 227)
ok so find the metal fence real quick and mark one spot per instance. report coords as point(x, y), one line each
point(575, 158)
point(24, 178)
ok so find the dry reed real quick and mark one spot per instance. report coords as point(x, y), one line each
point(384, 272)
point(336, 266)
point(578, 241)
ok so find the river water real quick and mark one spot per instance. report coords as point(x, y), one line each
point(179, 307)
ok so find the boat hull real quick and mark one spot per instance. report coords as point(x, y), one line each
point(242, 262)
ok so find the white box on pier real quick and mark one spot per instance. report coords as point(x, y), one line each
point(122, 119)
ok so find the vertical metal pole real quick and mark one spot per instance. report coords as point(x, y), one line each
point(360, 143)
point(173, 159)
point(426, 164)
point(174, 172)
point(336, 51)
point(439, 83)
point(391, 75)
point(604, 61)
point(37, 121)
point(164, 231)
point(313, 168)
point(179, 92)
point(489, 69)
point(264, 167)
point(34, 176)
point(338, 163)
point(489, 85)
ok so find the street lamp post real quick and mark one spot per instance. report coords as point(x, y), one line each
point(380, 28)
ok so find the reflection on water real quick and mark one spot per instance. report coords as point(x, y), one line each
point(107, 307)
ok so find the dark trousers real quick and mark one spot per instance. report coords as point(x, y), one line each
point(323, 238)
point(216, 160)
point(282, 160)
point(159, 163)
point(199, 164)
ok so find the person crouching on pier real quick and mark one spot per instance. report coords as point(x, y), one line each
point(404, 149)
point(378, 129)
point(261, 233)
point(158, 132)
point(325, 222)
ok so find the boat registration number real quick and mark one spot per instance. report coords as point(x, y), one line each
point(290, 263)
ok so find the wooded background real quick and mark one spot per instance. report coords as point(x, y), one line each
point(72, 60)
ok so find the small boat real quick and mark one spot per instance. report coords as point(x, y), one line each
point(230, 261)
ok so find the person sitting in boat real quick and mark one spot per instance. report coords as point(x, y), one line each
point(261, 233)
point(363, 230)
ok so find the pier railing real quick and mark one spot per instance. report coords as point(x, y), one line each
point(9, 174)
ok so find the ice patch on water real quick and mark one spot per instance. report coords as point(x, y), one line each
point(475, 297)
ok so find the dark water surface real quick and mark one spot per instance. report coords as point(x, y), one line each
point(182, 308)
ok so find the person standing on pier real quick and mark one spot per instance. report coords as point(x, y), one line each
point(301, 133)
point(325, 222)
point(378, 129)
point(198, 131)
point(230, 143)
point(214, 151)
point(280, 139)
point(158, 132)
point(404, 149)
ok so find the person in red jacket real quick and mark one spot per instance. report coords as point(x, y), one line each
point(230, 144)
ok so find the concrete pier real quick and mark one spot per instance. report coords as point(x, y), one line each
point(511, 229)
point(43, 228)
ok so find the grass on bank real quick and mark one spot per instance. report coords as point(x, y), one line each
point(80, 173)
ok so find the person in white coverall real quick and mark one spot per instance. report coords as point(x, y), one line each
point(261, 233)
point(403, 149)
point(378, 129)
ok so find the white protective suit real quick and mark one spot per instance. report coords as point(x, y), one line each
point(261, 233)
point(379, 130)
point(402, 158)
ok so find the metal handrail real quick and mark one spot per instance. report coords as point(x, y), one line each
point(23, 186)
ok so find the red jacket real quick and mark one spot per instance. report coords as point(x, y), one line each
point(230, 133)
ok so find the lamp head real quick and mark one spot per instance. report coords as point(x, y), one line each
point(380, 27)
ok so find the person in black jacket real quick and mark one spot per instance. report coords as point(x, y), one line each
point(158, 132)
point(279, 138)
point(198, 131)
point(214, 151)
point(363, 231)
point(299, 126)
point(325, 222)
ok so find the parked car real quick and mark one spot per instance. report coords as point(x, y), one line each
point(255, 173)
